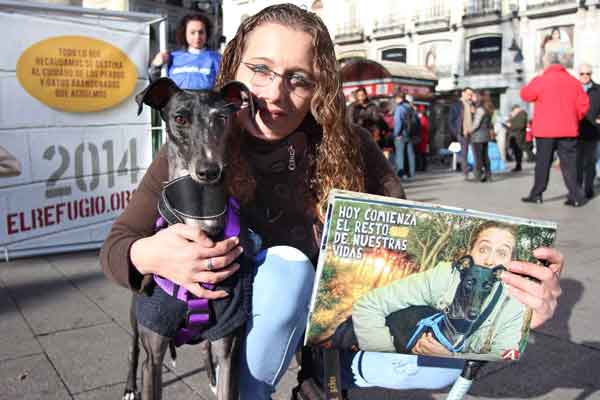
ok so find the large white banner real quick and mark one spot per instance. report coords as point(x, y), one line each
point(72, 148)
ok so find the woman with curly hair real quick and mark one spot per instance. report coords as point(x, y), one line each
point(282, 164)
point(192, 66)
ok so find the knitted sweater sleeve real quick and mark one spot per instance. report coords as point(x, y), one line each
point(136, 221)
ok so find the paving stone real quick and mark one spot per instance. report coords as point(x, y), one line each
point(173, 389)
point(39, 290)
point(30, 378)
point(113, 299)
point(90, 357)
point(16, 339)
point(547, 365)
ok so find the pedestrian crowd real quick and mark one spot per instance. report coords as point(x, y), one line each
point(400, 128)
point(564, 131)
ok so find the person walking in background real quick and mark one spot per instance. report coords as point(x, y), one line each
point(459, 124)
point(528, 147)
point(423, 145)
point(193, 66)
point(404, 124)
point(387, 111)
point(560, 103)
point(516, 126)
point(480, 135)
point(363, 111)
point(589, 133)
point(500, 134)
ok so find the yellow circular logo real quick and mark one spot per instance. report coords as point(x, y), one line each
point(76, 73)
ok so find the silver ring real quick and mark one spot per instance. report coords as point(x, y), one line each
point(209, 264)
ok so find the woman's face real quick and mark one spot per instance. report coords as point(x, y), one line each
point(361, 96)
point(282, 105)
point(195, 34)
point(555, 34)
point(494, 246)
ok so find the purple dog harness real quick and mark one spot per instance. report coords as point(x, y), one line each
point(198, 314)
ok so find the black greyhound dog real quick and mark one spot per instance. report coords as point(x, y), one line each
point(198, 123)
point(452, 326)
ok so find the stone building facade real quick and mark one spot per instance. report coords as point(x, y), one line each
point(496, 45)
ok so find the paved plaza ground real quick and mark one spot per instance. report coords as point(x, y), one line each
point(64, 328)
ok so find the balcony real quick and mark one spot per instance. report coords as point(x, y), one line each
point(433, 19)
point(390, 27)
point(482, 12)
point(549, 8)
point(349, 34)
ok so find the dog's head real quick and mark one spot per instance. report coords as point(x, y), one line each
point(198, 123)
point(476, 284)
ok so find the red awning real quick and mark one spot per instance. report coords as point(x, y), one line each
point(383, 79)
point(363, 70)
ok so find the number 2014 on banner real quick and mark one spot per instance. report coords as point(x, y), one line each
point(89, 153)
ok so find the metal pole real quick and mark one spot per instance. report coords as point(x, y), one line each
point(465, 380)
point(162, 46)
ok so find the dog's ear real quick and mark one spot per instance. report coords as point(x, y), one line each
point(238, 96)
point(497, 270)
point(463, 263)
point(157, 94)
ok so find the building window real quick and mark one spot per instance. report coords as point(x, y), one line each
point(485, 55)
point(397, 54)
point(437, 57)
point(482, 7)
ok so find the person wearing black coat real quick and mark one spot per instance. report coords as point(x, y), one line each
point(589, 134)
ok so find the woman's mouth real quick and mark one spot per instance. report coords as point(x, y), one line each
point(271, 114)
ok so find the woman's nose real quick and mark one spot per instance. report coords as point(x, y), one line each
point(276, 89)
point(490, 259)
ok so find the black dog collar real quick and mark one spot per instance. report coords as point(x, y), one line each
point(179, 200)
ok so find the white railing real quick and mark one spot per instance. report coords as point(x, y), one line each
point(536, 4)
point(482, 7)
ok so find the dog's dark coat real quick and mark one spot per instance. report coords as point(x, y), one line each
point(198, 123)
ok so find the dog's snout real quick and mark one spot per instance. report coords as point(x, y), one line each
point(473, 314)
point(208, 173)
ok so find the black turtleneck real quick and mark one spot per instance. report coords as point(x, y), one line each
point(280, 212)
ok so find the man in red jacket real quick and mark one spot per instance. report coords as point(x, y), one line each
point(560, 103)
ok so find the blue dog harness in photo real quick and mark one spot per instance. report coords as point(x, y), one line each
point(438, 321)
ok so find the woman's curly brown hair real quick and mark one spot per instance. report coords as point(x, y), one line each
point(180, 38)
point(339, 162)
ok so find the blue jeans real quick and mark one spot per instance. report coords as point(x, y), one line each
point(598, 159)
point(281, 294)
point(399, 144)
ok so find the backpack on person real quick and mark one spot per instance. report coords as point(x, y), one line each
point(410, 124)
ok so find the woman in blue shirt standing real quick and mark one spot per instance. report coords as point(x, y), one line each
point(193, 66)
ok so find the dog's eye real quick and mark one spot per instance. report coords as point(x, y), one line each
point(180, 120)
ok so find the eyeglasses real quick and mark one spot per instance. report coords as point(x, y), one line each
point(585, 73)
point(295, 82)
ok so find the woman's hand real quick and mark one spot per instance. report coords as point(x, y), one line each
point(181, 253)
point(161, 58)
point(541, 296)
point(427, 345)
